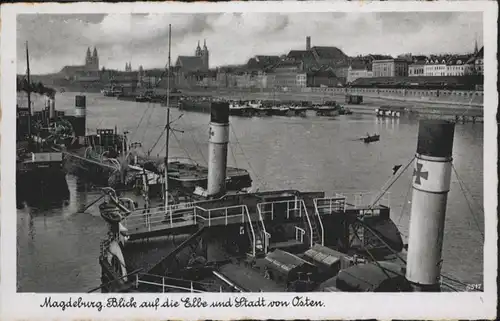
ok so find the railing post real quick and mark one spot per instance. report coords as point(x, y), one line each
point(209, 221)
point(192, 290)
point(137, 281)
point(194, 214)
point(162, 285)
point(287, 210)
point(272, 211)
point(330, 203)
point(171, 220)
point(226, 215)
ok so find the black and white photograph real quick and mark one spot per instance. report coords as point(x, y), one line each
point(185, 153)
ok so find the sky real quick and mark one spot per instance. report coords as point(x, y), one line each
point(56, 40)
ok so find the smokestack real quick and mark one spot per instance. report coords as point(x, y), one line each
point(308, 43)
point(217, 148)
point(80, 120)
point(52, 108)
point(431, 183)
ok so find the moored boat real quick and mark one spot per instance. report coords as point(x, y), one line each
point(371, 138)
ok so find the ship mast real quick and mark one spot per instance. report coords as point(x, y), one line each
point(28, 89)
point(167, 120)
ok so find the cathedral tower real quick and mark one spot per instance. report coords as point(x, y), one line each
point(198, 52)
point(88, 59)
point(205, 55)
point(95, 60)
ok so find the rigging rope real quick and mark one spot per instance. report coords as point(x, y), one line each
point(147, 125)
point(261, 182)
point(232, 153)
point(404, 206)
point(181, 146)
point(140, 121)
point(196, 144)
point(390, 182)
point(460, 182)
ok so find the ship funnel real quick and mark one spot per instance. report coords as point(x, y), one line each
point(79, 124)
point(52, 108)
point(431, 183)
point(217, 148)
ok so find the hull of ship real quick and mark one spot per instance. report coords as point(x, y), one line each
point(242, 112)
point(327, 112)
point(279, 111)
point(39, 186)
point(227, 247)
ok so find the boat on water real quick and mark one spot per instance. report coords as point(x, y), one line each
point(145, 97)
point(196, 104)
point(371, 138)
point(113, 91)
point(328, 108)
point(40, 175)
point(241, 108)
point(276, 241)
point(282, 240)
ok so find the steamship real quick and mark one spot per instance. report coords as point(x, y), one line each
point(284, 240)
point(217, 240)
point(107, 158)
point(40, 177)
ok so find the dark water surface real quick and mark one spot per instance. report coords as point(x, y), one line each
point(58, 249)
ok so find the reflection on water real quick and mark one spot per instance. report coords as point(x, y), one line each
point(58, 247)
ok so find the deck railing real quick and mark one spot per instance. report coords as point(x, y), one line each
point(186, 214)
point(328, 205)
point(299, 234)
point(266, 235)
point(295, 207)
point(363, 200)
point(267, 209)
point(221, 213)
point(165, 283)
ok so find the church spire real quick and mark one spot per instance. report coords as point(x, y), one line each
point(95, 52)
point(198, 50)
point(205, 44)
point(476, 50)
point(88, 52)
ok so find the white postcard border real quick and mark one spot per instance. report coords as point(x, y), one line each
point(338, 305)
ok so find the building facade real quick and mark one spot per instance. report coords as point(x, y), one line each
point(435, 66)
point(416, 69)
point(286, 73)
point(353, 74)
point(390, 68)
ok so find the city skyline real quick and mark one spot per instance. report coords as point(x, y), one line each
point(233, 38)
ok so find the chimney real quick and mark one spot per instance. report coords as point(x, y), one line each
point(308, 43)
point(80, 117)
point(217, 148)
point(431, 183)
point(52, 108)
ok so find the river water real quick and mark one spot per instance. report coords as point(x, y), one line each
point(58, 248)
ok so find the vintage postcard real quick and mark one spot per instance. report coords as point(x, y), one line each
point(299, 160)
